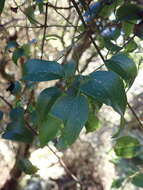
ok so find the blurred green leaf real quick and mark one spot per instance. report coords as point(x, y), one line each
point(1, 115)
point(138, 180)
point(129, 12)
point(19, 52)
point(29, 11)
point(2, 3)
point(27, 167)
point(16, 130)
point(117, 183)
point(127, 147)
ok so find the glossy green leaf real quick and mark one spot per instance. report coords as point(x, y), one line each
point(38, 70)
point(128, 12)
point(138, 180)
point(127, 147)
point(48, 129)
point(106, 87)
point(27, 167)
point(45, 101)
point(2, 3)
point(16, 130)
point(124, 66)
point(73, 111)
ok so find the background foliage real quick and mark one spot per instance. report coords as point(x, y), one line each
point(109, 31)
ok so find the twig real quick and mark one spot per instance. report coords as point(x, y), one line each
point(65, 167)
point(10, 106)
point(135, 115)
point(86, 27)
point(44, 33)
point(56, 7)
point(31, 128)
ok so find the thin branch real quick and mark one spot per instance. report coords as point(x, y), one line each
point(86, 27)
point(6, 102)
point(42, 26)
point(135, 115)
point(44, 33)
point(56, 7)
point(65, 167)
point(31, 128)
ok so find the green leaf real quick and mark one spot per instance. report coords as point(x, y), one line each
point(45, 101)
point(128, 12)
point(48, 129)
point(138, 180)
point(27, 167)
point(73, 111)
point(127, 147)
point(38, 70)
point(29, 11)
point(69, 69)
point(16, 130)
point(128, 27)
point(110, 46)
point(124, 66)
point(117, 183)
point(93, 122)
point(2, 3)
point(11, 44)
point(106, 87)
point(19, 52)
point(1, 115)
point(131, 46)
point(121, 127)
point(40, 5)
point(17, 88)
